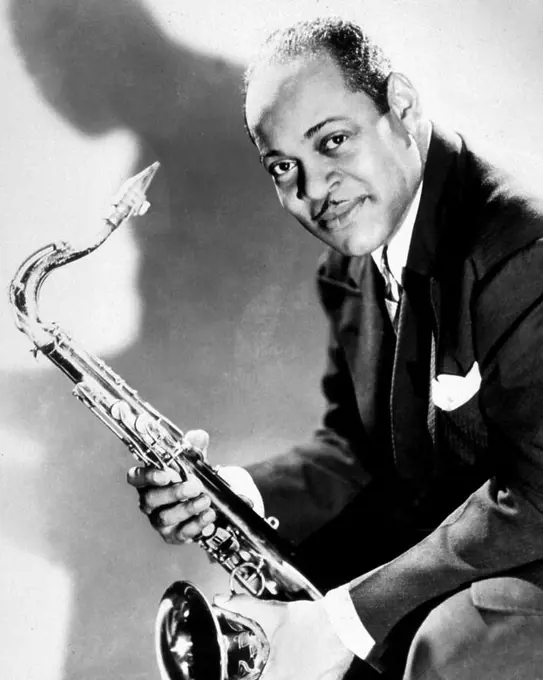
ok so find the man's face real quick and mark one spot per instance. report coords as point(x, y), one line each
point(345, 171)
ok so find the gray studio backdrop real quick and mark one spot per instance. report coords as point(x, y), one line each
point(227, 334)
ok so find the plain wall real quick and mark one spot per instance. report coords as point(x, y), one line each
point(206, 305)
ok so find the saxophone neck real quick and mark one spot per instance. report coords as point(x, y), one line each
point(130, 201)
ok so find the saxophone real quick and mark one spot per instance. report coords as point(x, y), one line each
point(194, 640)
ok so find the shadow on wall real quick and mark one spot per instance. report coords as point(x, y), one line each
point(231, 335)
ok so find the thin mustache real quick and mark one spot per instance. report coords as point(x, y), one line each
point(325, 206)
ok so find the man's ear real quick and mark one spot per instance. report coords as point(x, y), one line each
point(403, 100)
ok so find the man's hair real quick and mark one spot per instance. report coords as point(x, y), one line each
point(363, 64)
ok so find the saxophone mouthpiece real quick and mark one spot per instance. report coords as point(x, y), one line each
point(131, 199)
point(144, 178)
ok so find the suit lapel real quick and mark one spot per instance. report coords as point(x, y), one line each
point(368, 339)
point(419, 313)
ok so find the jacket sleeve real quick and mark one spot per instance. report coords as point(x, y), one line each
point(310, 484)
point(500, 526)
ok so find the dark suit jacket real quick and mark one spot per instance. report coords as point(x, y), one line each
point(377, 473)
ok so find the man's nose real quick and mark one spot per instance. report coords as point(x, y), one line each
point(315, 184)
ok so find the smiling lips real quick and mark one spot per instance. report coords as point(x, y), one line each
point(340, 215)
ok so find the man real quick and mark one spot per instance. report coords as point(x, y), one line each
point(433, 277)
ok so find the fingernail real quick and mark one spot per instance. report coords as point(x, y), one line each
point(208, 516)
point(208, 530)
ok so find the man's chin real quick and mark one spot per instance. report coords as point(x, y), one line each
point(351, 246)
point(351, 240)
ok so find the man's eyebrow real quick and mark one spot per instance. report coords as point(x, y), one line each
point(268, 154)
point(313, 130)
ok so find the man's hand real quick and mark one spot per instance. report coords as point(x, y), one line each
point(303, 643)
point(179, 510)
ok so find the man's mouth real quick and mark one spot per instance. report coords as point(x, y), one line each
point(338, 216)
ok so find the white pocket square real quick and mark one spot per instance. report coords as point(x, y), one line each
point(451, 391)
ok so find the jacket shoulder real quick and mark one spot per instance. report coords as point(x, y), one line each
point(504, 264)
point(504, 218)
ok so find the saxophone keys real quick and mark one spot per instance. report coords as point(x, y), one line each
point(273, 522)
point(122, 412)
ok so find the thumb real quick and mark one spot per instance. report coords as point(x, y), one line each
point(198, 440)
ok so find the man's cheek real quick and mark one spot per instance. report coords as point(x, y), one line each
point(290, 206)
point(283, 198)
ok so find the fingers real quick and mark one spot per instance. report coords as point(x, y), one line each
point(155, 497)
point(179, 511)
point(144, 475)
point(185, 532)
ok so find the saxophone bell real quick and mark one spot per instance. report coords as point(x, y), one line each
point(197, 640)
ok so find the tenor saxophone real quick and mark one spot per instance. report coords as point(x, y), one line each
point(193, 639)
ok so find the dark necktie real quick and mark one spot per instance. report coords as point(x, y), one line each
point(392, 289)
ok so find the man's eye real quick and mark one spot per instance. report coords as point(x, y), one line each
point(281, 168)
point(333, 142)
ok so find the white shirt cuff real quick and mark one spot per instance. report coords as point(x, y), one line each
point(346, 622)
